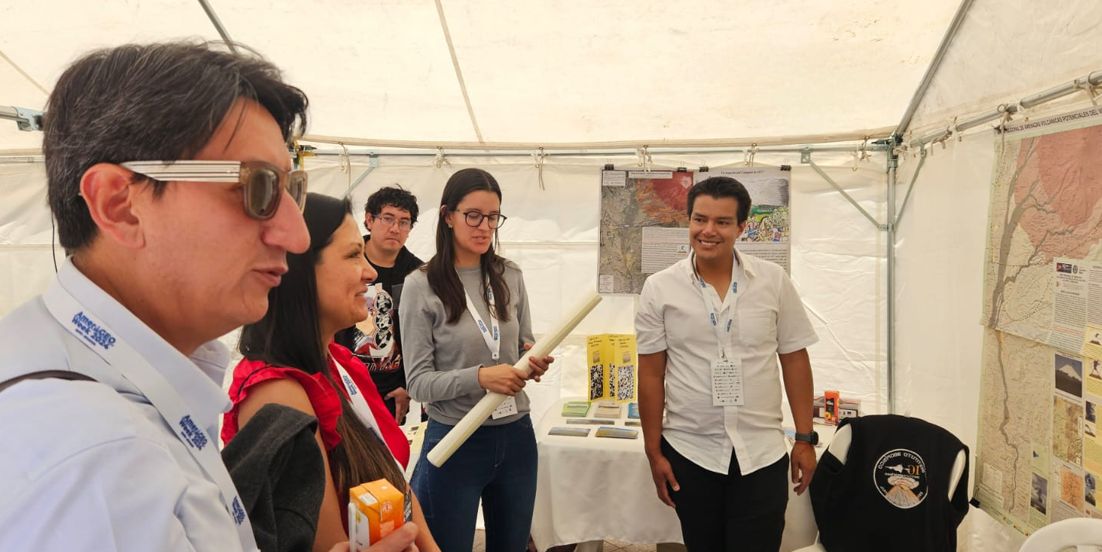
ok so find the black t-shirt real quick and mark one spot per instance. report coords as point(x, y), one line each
point(375, 341)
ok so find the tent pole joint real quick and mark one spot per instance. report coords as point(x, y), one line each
point(27, 120)
point(373, 163)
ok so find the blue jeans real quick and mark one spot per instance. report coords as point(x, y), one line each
point(497, 465)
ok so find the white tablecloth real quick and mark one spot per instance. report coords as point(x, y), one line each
point(591, 488)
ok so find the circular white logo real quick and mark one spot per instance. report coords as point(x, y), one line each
point(900, 476)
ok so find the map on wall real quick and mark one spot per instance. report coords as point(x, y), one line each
point(1039, 454)
point(644, 221)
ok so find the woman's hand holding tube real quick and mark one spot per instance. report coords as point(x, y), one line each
point(500, 378)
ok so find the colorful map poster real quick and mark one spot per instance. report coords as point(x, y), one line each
point(1039, 452)
point(644, 221)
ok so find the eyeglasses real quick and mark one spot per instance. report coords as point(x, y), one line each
point(262, 183)
point(474, 219)
point(403, 224)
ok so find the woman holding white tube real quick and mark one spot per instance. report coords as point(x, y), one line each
point(465, 321)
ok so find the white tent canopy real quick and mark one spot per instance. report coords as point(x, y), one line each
point(535, 72)
point(610, 77)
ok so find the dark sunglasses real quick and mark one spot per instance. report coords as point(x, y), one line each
point(262, 183)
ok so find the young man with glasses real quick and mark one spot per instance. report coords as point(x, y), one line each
point(173, 190)
point(389, 215)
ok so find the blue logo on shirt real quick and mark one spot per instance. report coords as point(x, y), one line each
point(94, 333)
point(351, 385)
point(192, 434)
point(734, 287)
point(712, 317)
point(238, 511)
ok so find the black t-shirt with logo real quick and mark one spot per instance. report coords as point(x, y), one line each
point(375, 341)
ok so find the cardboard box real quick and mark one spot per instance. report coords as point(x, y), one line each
point(612, 368)
point(847, 408)
point(830, 406)
point(375, 509)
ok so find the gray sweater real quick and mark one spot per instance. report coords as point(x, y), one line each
point(442, 360)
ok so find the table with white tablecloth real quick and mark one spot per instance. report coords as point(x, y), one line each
point(593, 489)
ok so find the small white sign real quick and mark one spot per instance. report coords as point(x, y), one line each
point(507, 408)
point(727, 383)
point(614, 178)
point(650, 175)
point(606, 283)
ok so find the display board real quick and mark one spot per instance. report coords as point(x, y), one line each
point(613, 359)
point(1039, 452)
point(644, 221)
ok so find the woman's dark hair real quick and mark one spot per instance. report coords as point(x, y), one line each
point(289, 335)
point(443, 279)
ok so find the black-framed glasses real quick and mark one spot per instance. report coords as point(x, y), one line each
point(263, 183)
point(403, 224)
point(474, 219)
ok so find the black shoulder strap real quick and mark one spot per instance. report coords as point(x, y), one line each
point(46, 374)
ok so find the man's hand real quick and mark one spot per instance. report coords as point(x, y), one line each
point(401, 403)
point(662, 473)
point(803, 465)
point(539, 366)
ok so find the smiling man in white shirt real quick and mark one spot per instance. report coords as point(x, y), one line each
point(710, 331)
point(172, 186)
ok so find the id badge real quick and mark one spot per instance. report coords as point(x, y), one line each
point(507, 408)
point(727, 383)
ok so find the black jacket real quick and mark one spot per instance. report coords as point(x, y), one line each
point(892, 491)
point(279, 473)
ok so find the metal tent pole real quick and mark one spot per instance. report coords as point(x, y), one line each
point(893, 165)
point(931, 70)
point(218, 25)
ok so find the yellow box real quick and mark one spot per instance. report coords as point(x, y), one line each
point(375, 509)
point(612, 367)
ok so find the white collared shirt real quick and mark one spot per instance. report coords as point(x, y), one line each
point(769, 318)
point(92, 465)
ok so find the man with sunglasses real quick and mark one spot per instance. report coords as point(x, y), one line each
point(170, 180)
point(389, 215)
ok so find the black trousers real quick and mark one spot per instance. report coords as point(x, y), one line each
point(732, 513)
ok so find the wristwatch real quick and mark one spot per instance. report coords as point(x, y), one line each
point(809, 438)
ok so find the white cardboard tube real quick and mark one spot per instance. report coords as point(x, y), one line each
point(474, 418)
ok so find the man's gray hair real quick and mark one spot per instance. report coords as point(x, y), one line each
point(149, 102)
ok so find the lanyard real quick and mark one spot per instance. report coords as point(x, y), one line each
point(491, 335)
point(363, 411)
point(94, 334)
point(359, 403)
point(714, 307)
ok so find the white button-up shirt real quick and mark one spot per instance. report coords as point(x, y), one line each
point(92, 465)
point(769, 318)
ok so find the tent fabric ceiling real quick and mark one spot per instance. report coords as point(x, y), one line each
point(1008, 49)
point(540, 71)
